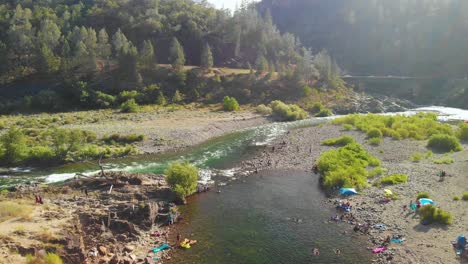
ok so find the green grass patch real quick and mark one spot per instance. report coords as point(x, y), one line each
point(123, 139)
point(394, 179)
point(465, 196)
point(346, 166)
point(376, 141)
point(444, 161)
point(347, 127)
point(418, 127)
point(456, 198)
point(462, 132)
point(377, 171)
point(428, 154)
point(431, 214)
point(416, 157)
point(341, 141)
point(422, 195)
point(443, 142)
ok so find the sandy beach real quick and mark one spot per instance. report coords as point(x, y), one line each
point(424, 243)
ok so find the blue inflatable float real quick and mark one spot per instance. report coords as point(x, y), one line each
point(348, 191)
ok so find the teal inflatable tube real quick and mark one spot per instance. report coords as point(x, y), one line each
point(160, 248)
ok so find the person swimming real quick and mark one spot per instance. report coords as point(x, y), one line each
point(316, 252)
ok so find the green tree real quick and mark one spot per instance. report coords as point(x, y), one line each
point(65, 141)
point(182, 177)
point(177, 55)
point(161, 100)
point(261, 64)
point(120, 43)
point(147, 57)
point(230, 104)
point(13, 148)
point(178, 97)
point(49, 34)
point(207, 57)
point(103, 47)
point(48, 63)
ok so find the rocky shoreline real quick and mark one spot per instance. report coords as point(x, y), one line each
point(118, 219)
point(300, 148)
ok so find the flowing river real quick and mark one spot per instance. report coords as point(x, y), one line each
point(272, 217)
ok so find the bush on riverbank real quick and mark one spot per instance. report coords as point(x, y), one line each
point(182, 177)
point(416, 157)
point(124, 139)
point(462, 132)
point(52, 146)
point(341, 141)
point(444, 161)
point(129, 106)
point(287, 112)
point(375, 141)
point(346, 166)
point(230, 104)
point(318, 110)
point(444, 142)
point(422, 195)
point(264, 110)
point(418, 127)
point(394, 179)
point(377, 171)
point(465, 196)
point(49, 258)
point(430, 214)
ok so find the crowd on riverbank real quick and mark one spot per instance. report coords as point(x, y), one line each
point(299, 149)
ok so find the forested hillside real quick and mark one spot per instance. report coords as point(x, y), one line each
point(371, 37)
point(66, 54)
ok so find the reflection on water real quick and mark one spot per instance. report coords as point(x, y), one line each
point(256, 221)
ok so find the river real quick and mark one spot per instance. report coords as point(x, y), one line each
point(253, 219)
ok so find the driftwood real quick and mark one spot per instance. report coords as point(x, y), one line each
point(101, 166)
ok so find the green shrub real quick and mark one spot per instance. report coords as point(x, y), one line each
point(104, 100)
point(456, 198)
point(341, 141)
point(377, 171)
point(444, 143)
point(50, 258)
point(263, 110)
point(374, 133)
point(346, 166)
point(161, 99)
point(128, 95)
point(416, 157)
point(347, 127)
point(444, 161)
point(324, 113)
point(13, 148)
point(287, 112)
point(428, 154)
point(462, 132)
point(430, 214)
point(129, 106)
point(375, 141)
point(418, 127)
point(123, 139)
point(230, 104)
point(422, 195)
point(182, 177)
point(394, 179)
point(465, 196)
point(41, 154)
point(315, 107)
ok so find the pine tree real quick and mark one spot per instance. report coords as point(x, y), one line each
point(48, 63)
point(49, 34)
point(207, 57)
point(147, 58)
point(120, 43)
point(178, 97)
point(177, 56)
point(103, 46)
point(261, 64)
point(161, 100)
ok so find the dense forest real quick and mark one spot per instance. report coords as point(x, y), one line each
point(370, 37)
point(71, 54)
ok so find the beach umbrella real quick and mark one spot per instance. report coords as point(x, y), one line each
point(426, 201)
point(348, 191)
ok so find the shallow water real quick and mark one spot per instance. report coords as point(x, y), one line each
point(252, 221)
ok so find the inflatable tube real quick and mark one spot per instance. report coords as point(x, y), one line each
point(160, 248)
point(379, 250)
point(185, 245)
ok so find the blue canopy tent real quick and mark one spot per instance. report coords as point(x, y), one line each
point(426, 201)
point(348, 191)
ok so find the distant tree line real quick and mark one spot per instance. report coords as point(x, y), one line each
point(64, 54)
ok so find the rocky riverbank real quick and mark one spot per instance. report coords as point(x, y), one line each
point(115, 219)
point(300, 148)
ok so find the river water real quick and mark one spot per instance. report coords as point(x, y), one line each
point(251, 221)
